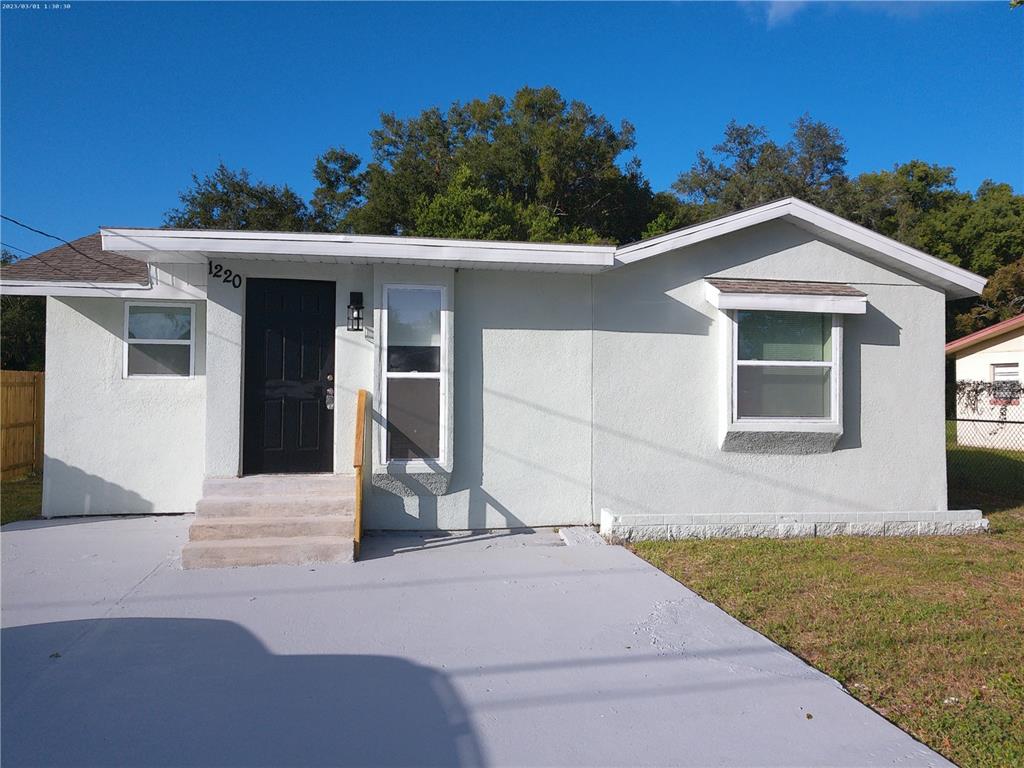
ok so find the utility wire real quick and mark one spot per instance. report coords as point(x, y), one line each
point(69, 244)
point(16, 248)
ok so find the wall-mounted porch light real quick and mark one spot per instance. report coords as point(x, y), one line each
point(355, 311)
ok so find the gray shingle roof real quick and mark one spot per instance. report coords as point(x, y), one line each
point(82, 261)
point(788, 287)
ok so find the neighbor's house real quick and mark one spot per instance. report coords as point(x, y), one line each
point(778, 371)
point(993, 356)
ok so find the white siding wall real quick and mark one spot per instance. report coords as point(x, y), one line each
point(976, 365)
point(657, 389)
point(570, 394)
point(522, 386)
point(115, 445)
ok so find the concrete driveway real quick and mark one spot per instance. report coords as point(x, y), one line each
point(508, 649)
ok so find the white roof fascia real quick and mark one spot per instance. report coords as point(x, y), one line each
point(179, 246)
point(786, 302)
point(96, 290)
point(955, 281)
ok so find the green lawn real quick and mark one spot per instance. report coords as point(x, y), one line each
point(20, 499)
point(928, 631)
point(981, 472)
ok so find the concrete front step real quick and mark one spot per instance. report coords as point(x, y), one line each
point(226, 528)
point(280, 485)
point(275, 506)
point(297, 550)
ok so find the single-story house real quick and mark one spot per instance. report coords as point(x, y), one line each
point(777, 371)
point(994, 358)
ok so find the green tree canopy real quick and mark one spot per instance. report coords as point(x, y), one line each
point(22, 328)
point(747, 168)
point(544, 168)
point(538, 152)
point(227, 199)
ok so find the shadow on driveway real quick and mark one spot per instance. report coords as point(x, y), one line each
point(200, 692)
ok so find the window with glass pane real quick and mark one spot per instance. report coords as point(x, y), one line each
point(413, 372)
point(159, 339)
point(784, 365)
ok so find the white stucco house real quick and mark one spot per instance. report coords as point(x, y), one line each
point(778, 371)
point(992, 356)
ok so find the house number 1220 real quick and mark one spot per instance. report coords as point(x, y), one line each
point(225, 275)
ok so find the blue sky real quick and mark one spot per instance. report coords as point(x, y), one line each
point(108, 108)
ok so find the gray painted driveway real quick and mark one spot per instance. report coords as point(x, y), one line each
point(505, 649)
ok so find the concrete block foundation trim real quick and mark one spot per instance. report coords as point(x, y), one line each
point(641, 527)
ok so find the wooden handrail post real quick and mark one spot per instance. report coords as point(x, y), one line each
point(357, 463)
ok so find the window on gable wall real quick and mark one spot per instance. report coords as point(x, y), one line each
point(1005, 381)
point(414, 362)
point(159, 339)
point(785, 366)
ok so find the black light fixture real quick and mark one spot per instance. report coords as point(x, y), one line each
point(355, 311)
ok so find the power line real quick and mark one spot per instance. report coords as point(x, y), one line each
point(16, 248)
point(69, 244)
point(39, 232)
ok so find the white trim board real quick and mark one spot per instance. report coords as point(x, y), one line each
point(197, 246)
point(954, 281)
point(786, 302)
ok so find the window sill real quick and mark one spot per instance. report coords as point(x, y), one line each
point(782, 436)
point(412, 478)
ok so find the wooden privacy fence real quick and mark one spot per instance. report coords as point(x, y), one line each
point(21, 423)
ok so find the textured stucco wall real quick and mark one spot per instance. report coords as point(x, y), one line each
point(571, 394)
point(353, 358)
point(115, 445)
point(657, 389)
point(521, 408)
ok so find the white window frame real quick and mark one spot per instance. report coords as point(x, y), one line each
point(1005, 366)
point(191, 341)
point(789, 423)
point(414, 465)
point(997, 396)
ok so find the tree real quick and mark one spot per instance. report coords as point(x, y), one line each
point(894, 203)
point(340, 190)
point(1002, 299)
point(747, 168)
point(557, 161)
point(22, 328)
point(467, 210)
point(227, 199)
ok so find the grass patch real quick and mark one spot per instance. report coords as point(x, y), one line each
point(985, 471)
point(20, 499)
point(928, 631)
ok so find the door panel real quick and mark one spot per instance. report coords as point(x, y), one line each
point(289, 353)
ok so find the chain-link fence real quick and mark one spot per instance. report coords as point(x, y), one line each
point(985, 458)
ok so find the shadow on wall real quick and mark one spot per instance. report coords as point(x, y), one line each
point(873, 328)
point(68, 490)
point(189, 692)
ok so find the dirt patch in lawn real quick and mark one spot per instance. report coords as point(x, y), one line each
point(929, 631)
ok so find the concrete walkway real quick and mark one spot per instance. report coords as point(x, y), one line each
point(508, 649)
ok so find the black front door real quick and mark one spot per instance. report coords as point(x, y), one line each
point(289, 366)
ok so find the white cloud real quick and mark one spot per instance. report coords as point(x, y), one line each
point(781, 11)
point(777, 13)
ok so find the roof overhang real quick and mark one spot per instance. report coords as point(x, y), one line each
point(815, 298)
point(957, 283)
point(185, 246)
point(991, 333)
